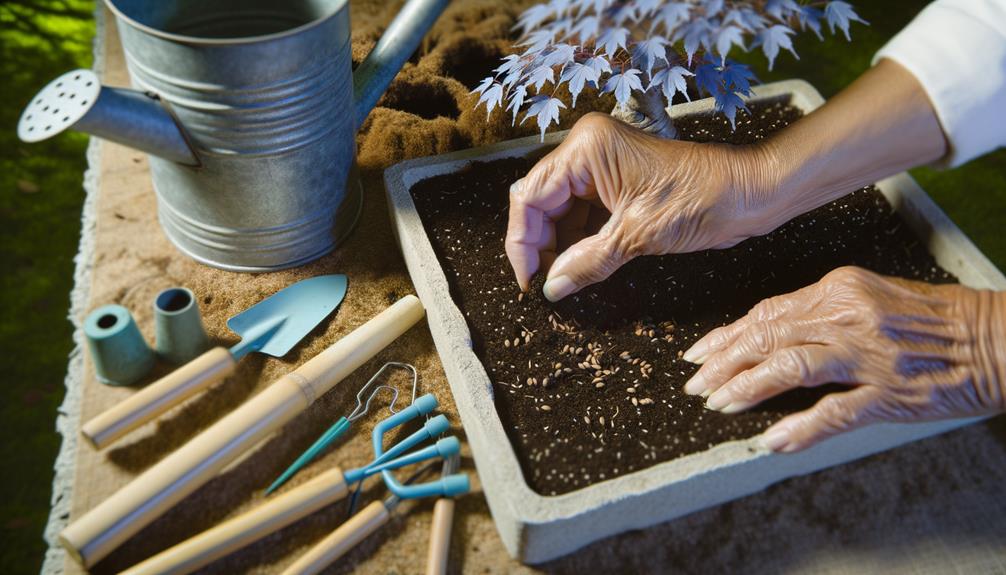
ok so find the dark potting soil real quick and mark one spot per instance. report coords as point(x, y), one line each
point(590, 388)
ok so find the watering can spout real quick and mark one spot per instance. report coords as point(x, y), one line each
point(399, 41)
point(77, 100)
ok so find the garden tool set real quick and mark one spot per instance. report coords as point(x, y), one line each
point(96, 533)
point(272, 326)
point(325, 489)
point(248, 111)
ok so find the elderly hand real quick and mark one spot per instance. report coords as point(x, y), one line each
point(610, 193)
point(912, 351)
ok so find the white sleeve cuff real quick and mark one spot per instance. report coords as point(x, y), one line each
point(957, 51)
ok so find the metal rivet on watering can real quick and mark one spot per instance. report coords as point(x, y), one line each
point(119, 352)
point(179, 329)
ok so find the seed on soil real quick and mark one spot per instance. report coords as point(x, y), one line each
point(545, 407)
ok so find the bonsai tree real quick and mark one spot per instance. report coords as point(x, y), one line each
point(646, 51)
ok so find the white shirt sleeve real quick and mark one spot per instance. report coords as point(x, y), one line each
point(957, 50)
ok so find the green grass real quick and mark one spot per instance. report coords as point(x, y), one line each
point(40, 203)
point(41, 197)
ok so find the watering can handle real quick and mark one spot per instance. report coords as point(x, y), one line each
point(399, 41)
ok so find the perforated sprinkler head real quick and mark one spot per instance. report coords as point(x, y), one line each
point(59, 105)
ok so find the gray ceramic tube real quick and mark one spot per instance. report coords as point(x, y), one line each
point(119, 352)
point(179, 329)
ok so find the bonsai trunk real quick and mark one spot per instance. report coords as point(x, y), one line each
point(648, 112)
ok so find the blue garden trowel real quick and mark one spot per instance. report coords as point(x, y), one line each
point(272, 326)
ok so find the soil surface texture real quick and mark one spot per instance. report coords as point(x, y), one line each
point(590, 388)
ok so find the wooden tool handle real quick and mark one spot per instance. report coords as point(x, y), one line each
point(244, 529)
point(160, 396)
point(94, 535)
point(341, 540)
point(440, 537)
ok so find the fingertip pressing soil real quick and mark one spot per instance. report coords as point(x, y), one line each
point(590, 388)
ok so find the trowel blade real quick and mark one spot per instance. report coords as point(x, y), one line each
point(296, 309)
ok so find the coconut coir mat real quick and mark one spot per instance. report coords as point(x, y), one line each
point(932, 507)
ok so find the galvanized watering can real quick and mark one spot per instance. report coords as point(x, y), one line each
point(248, 109)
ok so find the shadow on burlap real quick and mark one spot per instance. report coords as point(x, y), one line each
point(925, 508)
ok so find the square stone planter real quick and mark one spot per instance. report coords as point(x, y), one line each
point(537, 528)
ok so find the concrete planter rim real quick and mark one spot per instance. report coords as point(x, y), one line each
point(521, 514)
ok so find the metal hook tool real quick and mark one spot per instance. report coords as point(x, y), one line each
point(343, 423)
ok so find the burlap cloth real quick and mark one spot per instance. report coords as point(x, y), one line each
point(936, 506)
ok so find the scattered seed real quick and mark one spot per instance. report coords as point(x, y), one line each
point(635, 401)
point(546, 408)
point(599, 384)
point(646, 401)
point(506, 343)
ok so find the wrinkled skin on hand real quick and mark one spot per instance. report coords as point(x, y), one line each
point(910, 351)
point(610, 193)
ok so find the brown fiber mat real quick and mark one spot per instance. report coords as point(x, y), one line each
point(933, 507)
